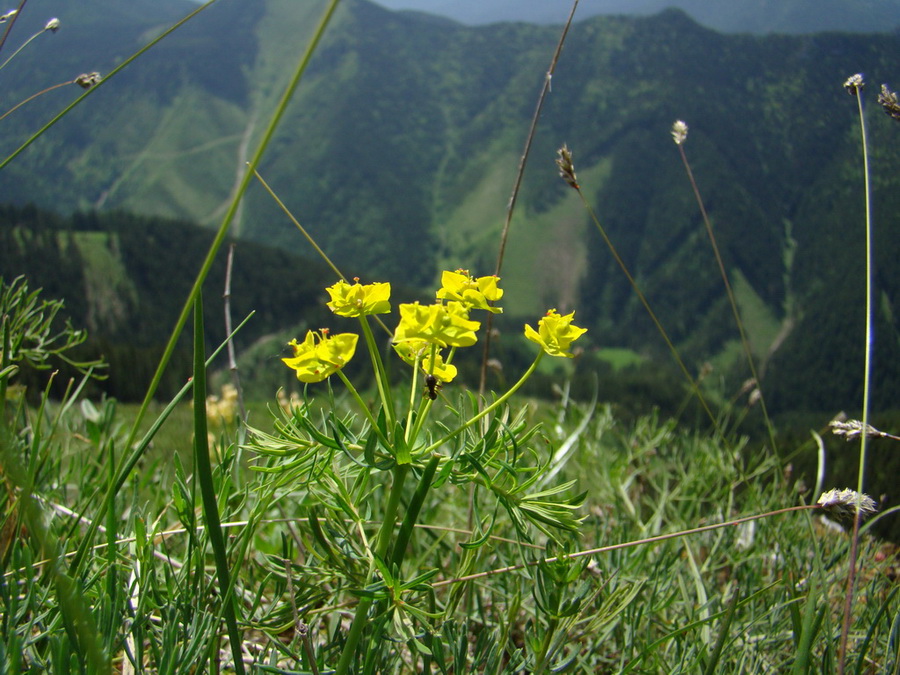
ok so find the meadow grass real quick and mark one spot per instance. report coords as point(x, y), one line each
point(414, 527)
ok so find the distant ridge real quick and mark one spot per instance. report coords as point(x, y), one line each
point(730, 16)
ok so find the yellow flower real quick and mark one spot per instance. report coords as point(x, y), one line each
point(320, 355)
point(420, 350)
point(444, 325)
point(470, 291)
point(555, 333)
point(359, 299)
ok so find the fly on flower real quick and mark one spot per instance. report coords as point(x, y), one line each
point(432, 386)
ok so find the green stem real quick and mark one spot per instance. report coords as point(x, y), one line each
point(232, 210)
point(297, 224)
point(413, 510)
point(24, 44)
point(867, 376)
point(493, 406)
point(365, 409)
point(381, 548)
point(541, 661)
point(208, 491)
point(381, 378)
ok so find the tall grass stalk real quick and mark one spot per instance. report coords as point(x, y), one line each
point(854, 86)
point(36, 95)
point(11, 22)
point(745, 343)
point(629, 544)
point(517, 183)
point(640, 294)
point(140, 52)
point(26, 43)
point(312, 242)
point(208, 490)
point(222, 231)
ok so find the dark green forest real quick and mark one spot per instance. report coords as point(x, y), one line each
point(124, 278)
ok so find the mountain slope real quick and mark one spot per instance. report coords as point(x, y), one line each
point(400, 150)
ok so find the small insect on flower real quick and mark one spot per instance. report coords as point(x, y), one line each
point(432, 385)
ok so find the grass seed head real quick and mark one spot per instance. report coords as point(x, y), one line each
point(854, 84)
point(88, 80)
point(889, 101)
point(566, 168)
point(679, 132)
point(843, 504)
point(853, 429)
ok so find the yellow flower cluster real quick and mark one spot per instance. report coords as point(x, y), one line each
point(320, 355)
point(359, 299)
point(555, 333)
point(424, 330)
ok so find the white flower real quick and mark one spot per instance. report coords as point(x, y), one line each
point(679, 132)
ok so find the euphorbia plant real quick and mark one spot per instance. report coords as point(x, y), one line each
point(333, 464)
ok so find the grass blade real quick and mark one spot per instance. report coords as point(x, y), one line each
point(208, 490)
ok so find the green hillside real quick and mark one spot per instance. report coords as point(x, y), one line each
point(124, 278)
point(400, 150)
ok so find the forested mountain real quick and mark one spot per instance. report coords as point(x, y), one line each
point(125, 278)
point(400, 150)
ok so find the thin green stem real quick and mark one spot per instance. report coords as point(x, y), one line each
point(309, 238)
point(745, 343)
point(307, 235)
point(646, 304)
point(493, 406)
point(214, 247)
point(365, 409)
point(627, 544)
point(381, 549)
point(413, 510)
point(867, 377)
point(24, 44)
point(413, 386)
point(381, 378)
